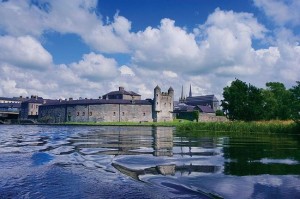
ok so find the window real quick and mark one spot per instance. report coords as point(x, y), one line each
point(77, 113)
point(123, 113)
point(91, 113)
point(37, 106)
point(144, 114)
point(31, 105)
point(31, 113)
point(157, 103)
point(114, 113)
point(83, 113)
point(36, 113)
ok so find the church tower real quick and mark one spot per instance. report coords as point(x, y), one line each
point(190, 93)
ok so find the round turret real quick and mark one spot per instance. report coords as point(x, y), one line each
point(157, 88)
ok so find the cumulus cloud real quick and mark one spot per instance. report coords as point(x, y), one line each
point(167, 46)
point(281, 12)
point(95, 67)
point(208, 57)
point(125, 70)
point(169, 74)
point(24, 52)
point(78, 17)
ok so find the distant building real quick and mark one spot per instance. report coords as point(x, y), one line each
point(14, 100)
point(116, 106)
point(204, 100)
point(10, 108)
point(30, 107)
point(122, 94)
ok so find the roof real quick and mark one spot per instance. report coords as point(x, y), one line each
point(17, 99)
point(203, 98)
point(183, 107)
point(39, 100)
point(205, 109)
point(97, 101)
point(123, 92)
point(10, 105)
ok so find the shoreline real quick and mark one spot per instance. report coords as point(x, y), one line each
point(184, 126)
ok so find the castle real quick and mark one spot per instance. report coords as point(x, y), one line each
point(116, 106)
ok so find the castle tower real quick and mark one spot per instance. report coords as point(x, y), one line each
point(163, 105)
point(157, 97)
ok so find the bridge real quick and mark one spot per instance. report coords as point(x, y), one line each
point(8, 115)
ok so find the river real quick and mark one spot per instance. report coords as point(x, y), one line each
point(145, 162)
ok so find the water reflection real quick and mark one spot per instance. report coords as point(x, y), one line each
point(122, 144)
point(35, 160)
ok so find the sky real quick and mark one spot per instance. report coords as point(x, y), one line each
point(86, 48)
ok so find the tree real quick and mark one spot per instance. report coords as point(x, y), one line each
point(242, 101)
point(278, 101)
point(295, 90)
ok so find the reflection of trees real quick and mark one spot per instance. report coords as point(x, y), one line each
point(245, 155)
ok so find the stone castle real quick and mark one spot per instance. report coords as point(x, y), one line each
point(116, 106)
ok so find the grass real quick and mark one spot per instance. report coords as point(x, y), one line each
point(269, 127)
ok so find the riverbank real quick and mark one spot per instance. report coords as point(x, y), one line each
point(238, 127)
point(185, 126)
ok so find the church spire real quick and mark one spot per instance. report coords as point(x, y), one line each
point(182, 92)
point(190, 94)
point(181, 99)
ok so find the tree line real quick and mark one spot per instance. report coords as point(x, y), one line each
point(242, 101)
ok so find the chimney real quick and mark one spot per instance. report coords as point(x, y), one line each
point(121, 88)
point(71, 98)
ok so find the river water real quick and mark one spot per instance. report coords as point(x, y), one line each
point(145, 162)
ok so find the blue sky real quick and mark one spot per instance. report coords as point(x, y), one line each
point(85, 48)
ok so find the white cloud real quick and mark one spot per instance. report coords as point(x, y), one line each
point(95, 67)
point(24, 52)
point(281, 11)
point(167, 46)
point(169, 74)
point(213, 54)
point(125, 70)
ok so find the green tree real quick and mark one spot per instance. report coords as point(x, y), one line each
point(242, 101)
point(295, 90)
point(278, 101)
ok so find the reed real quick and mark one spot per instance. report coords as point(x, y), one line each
point(269, 127)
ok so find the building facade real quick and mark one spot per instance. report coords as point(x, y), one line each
point(96, 110)
point(116, 106)
point(30, 107)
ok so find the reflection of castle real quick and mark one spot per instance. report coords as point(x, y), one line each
point(167, 170)
point(157, 141)
point(129, 141)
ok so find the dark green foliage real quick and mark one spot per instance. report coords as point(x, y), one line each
point(192, 116)
point(278, 102)
point(296, 102)
point(220, 113)
point(242, 101)
point(248, 103)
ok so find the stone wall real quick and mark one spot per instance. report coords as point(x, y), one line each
point(96, 113)
point(206, 117)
